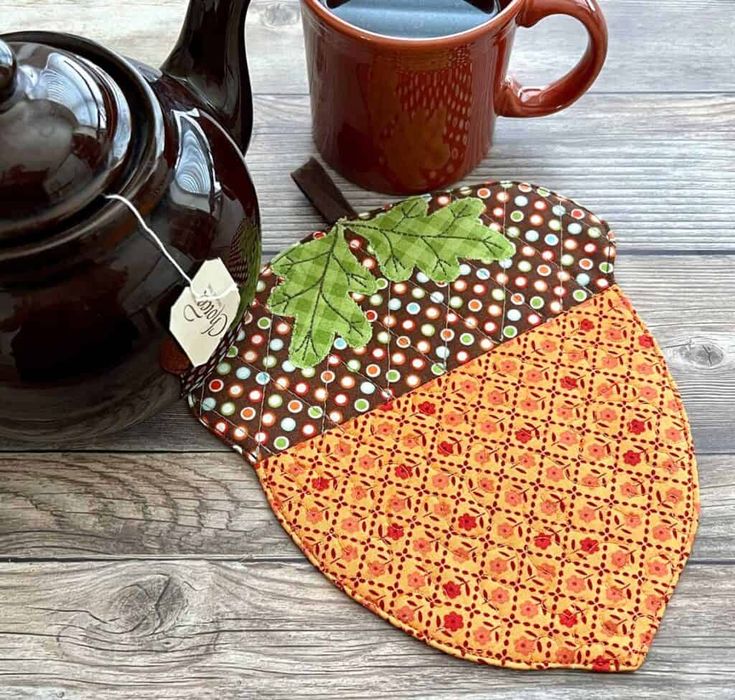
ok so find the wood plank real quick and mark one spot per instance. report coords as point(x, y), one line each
point(170, 504)
point(204, 629)
point(642, 162)
point(609, 117)
point(668, 45)
point(101, 506)
point(695, 324)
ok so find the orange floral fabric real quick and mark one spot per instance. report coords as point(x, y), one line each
point(532, 508)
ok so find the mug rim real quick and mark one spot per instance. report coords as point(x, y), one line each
point(338, 24)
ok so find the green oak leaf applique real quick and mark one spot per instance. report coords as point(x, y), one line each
point(407, 236)
point(318, 278)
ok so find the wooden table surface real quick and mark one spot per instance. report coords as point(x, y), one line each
point(148, 564)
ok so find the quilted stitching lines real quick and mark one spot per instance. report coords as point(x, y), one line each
point(520, 510)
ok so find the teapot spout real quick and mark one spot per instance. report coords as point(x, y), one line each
point(209, 59)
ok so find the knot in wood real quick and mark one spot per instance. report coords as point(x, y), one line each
point(280, 14)
point(701, 353)
point(152, 620)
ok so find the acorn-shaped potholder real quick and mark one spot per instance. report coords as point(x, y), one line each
point(460, 419)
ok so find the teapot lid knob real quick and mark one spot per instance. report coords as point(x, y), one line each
point(8, 68)
point(66, 132)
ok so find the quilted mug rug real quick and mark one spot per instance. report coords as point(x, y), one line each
point(460, 419)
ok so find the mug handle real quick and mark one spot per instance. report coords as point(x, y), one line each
point(517, 101)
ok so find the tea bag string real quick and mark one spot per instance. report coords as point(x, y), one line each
point(197, 296)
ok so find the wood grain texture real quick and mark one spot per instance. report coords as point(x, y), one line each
point(142, 505)
point(662, 46)
point(276, 629)
point(685, 299)
point(658, 168)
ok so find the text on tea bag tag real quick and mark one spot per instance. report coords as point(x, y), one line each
point(204, 311)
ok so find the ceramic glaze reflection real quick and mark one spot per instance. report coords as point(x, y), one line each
point(414, 19)
point(85, 294)
point(64, 105)
point(195, 184)
point(411, 116)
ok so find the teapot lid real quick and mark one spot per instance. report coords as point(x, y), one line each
point(65, 137)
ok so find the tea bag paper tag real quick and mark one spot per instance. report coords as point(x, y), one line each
point(204, 311)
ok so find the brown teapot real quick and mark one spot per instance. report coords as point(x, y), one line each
point(85, 294)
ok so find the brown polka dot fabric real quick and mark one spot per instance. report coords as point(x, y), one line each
point(257, 401)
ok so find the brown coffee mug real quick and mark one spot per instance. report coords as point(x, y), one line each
point(404, 116)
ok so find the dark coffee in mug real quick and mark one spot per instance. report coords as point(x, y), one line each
point(414, 19)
